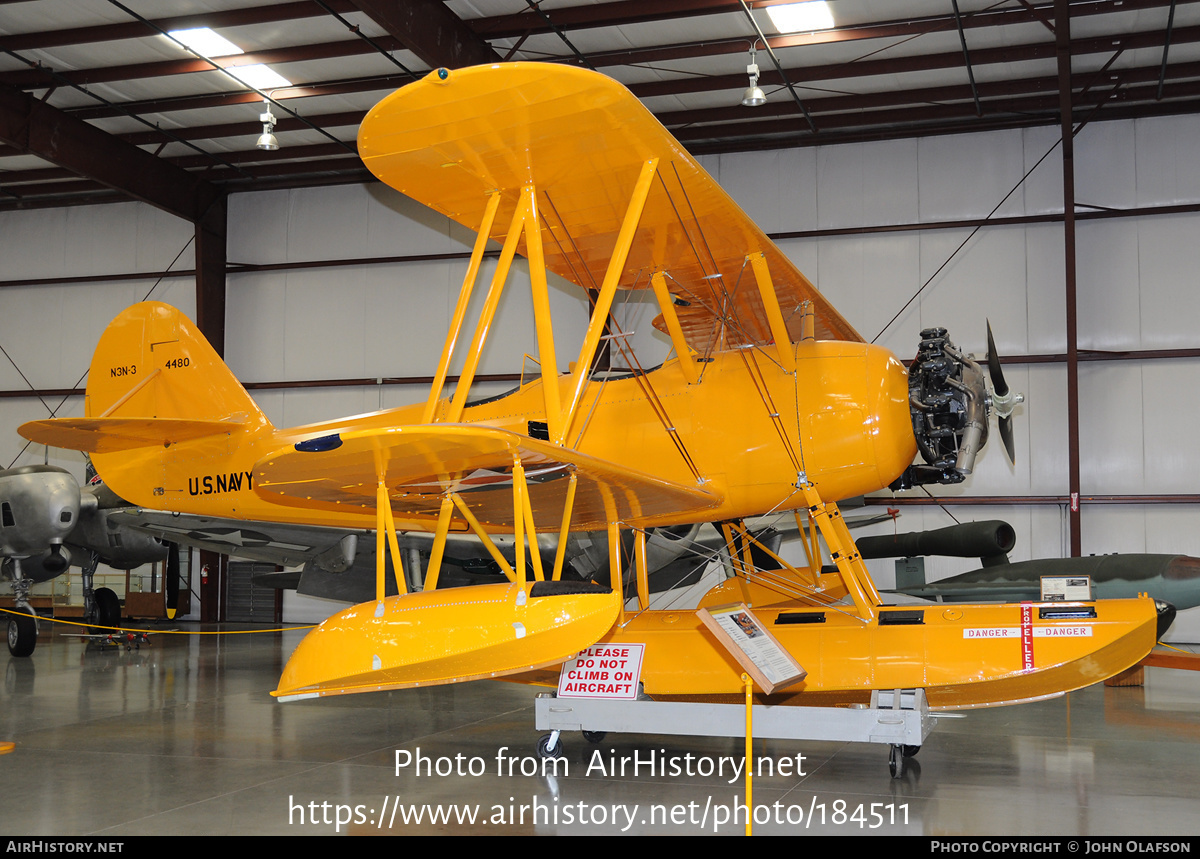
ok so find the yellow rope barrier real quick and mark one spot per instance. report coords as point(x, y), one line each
point(159, 631)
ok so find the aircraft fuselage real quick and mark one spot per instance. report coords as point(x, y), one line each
point(744, 432)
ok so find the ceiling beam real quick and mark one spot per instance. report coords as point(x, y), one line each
point(687, 84)
point(137, 30)
point(36, 128)
point(890, 30)
point(35, 78)
point(431, 31)
point(225, 99)
point(627, 12)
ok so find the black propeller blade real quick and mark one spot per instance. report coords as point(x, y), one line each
point(1003, 400)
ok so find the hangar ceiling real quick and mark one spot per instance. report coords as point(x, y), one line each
point(97, 103)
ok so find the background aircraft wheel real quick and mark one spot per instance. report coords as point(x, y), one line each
point(594, 736)
point(545, 751)
point(910, 751)
point(22, 634)
point(896, 761)
point(108, 609)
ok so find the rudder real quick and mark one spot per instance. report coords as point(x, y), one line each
point(153, 362)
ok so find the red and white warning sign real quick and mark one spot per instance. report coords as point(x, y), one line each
point(603, 671)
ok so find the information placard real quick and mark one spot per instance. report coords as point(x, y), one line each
point(752, 645)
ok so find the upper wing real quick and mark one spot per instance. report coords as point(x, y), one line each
point(419, 463)
point(582, 138)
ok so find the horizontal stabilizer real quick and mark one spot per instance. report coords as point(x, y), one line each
point(448, 636)
point(419, 464)
point(109, 435)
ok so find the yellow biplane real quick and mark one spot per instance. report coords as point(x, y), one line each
point(772, 402)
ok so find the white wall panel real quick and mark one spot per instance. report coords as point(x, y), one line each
point(1116, 529)
point(805, 254)
point(397, 225)
point(308, 406)
point(868, 281)
point(1105, 174)
point(1171, 413)
point(776, 188)
point(1167, 168)
point(867, 183)
point(1042, 189)
point(1137, 427)
point(258, 227)
point(34, 244)
point(966, 175)
point(1107, 285)
point(1110, 429)
point(985, 280)
point(1045, 293)
point(1049, 535)
point(1169, 260)
point(323, 323)
point(326, 223)
point(406, 313)
point(254, 325)
point(1043, 416)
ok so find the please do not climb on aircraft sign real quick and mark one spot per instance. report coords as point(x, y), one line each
point(603, 671)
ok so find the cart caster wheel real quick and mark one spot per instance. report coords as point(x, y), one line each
point(594, 736)
point(545, 750)
point(910, 751)
point(896, 761)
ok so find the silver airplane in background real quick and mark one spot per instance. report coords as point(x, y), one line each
point(48, 522)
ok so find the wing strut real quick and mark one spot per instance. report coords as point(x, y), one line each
point(608, 290)
point(565, 528)
point(783, 342)
point(460, 310)
point(671, 319)
point(385, 525)
point(843, 551)
point(439, 543)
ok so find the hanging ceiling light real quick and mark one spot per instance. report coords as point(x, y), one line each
point(267, 139)
point(754, 96)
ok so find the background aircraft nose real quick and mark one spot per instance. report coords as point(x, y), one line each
point(1166, 616)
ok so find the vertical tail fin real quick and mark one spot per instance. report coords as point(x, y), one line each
point(154, 381)
point(153, 362)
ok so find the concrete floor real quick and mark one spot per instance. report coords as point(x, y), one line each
point(182, 738)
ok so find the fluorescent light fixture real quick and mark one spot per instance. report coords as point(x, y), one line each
point(205, 42)
point(210, 44)
point(260, 77)
point(801, 17)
